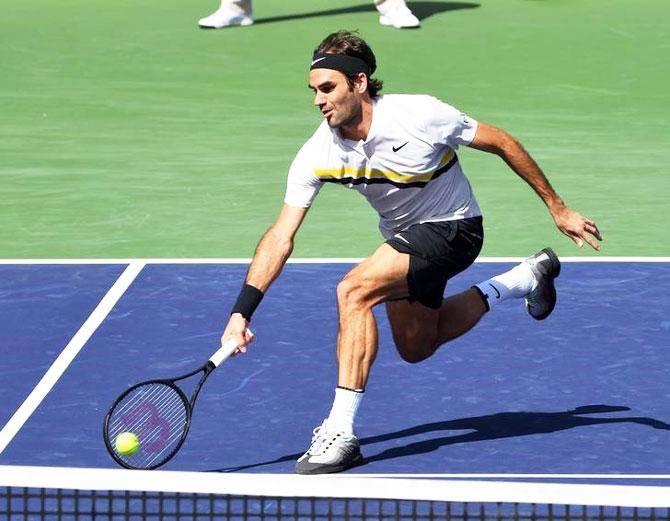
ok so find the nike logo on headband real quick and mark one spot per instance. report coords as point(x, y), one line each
point(344, 63)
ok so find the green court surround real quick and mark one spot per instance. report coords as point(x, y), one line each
point(128, 132)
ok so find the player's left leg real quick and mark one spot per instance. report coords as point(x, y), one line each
point(533, 279)
point(438, 251)
point(419, 330)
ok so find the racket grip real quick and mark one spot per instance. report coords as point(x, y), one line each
point(227, 349)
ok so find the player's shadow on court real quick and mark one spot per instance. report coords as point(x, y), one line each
point(502, 425)
point(483, 428)
point(422, 10)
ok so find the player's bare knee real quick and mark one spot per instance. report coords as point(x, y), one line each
point(415, 348)
point(351, 293)
point(345, 289)
point(415, 354)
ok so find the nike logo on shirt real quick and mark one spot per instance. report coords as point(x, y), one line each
point(395, 149)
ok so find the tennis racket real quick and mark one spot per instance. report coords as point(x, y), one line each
point(159, 413)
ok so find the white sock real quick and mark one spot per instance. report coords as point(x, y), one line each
point(515, 283)
point(384, 6)
point(237, 6)
point(343, 412)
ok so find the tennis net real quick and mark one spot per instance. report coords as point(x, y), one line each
point(68, 494)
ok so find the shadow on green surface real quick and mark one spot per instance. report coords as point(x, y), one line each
point(422, 10)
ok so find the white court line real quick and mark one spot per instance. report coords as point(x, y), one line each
point(68, 354)
point(298, 260)
point(522, 476)
point(335, 486)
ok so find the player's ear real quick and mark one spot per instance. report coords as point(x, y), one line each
point(361, 83)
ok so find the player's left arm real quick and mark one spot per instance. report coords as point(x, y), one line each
point(573, 224)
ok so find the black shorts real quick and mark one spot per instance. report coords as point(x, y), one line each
point(438, 251)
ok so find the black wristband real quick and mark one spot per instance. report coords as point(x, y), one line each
point(247, 301)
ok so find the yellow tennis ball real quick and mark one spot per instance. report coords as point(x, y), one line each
point(127, 443)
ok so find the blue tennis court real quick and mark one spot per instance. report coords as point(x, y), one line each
point(584, 392)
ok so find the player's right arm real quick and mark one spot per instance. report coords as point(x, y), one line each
point(275, 247)
point(271, 254)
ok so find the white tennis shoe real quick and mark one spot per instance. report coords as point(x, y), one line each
point(399, 17)
point(225, 17)
point(330, 451)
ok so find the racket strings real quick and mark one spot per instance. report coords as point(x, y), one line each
point(149, 393)
point(157, 408)
point(174, 415)
point(161, 397)
point(153, 422)
point(157, 414)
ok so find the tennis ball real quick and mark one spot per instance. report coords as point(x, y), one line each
point(127, 443)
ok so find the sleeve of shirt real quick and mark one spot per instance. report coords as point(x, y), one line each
point(302, 184)
point(449, 125)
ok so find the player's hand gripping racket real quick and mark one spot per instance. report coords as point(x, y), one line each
point(158, 413)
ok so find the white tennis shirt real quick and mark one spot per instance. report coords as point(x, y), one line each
point(407, 167)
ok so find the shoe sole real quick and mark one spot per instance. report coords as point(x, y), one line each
point(386, 23)
point(401, 27)
point(554, 272)
point(326, 469)
point(243, 24)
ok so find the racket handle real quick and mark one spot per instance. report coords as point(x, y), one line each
point(227, 349)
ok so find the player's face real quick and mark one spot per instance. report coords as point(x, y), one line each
point(339, 103)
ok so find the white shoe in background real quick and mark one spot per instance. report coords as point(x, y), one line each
point(399, 17)
point(225, 17)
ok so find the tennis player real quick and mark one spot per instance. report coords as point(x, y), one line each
point(393, 13)
point(399, 152)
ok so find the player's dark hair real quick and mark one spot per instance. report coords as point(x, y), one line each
point(351, 44)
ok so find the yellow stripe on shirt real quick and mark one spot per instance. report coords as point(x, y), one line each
point(374, 173)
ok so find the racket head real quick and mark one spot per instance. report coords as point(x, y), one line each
point(158, 413)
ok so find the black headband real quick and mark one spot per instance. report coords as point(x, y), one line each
point(349, 65)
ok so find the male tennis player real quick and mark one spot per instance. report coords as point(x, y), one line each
point(399, 151)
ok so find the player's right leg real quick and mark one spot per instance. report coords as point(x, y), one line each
point(229, 13)
point(380, 277)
